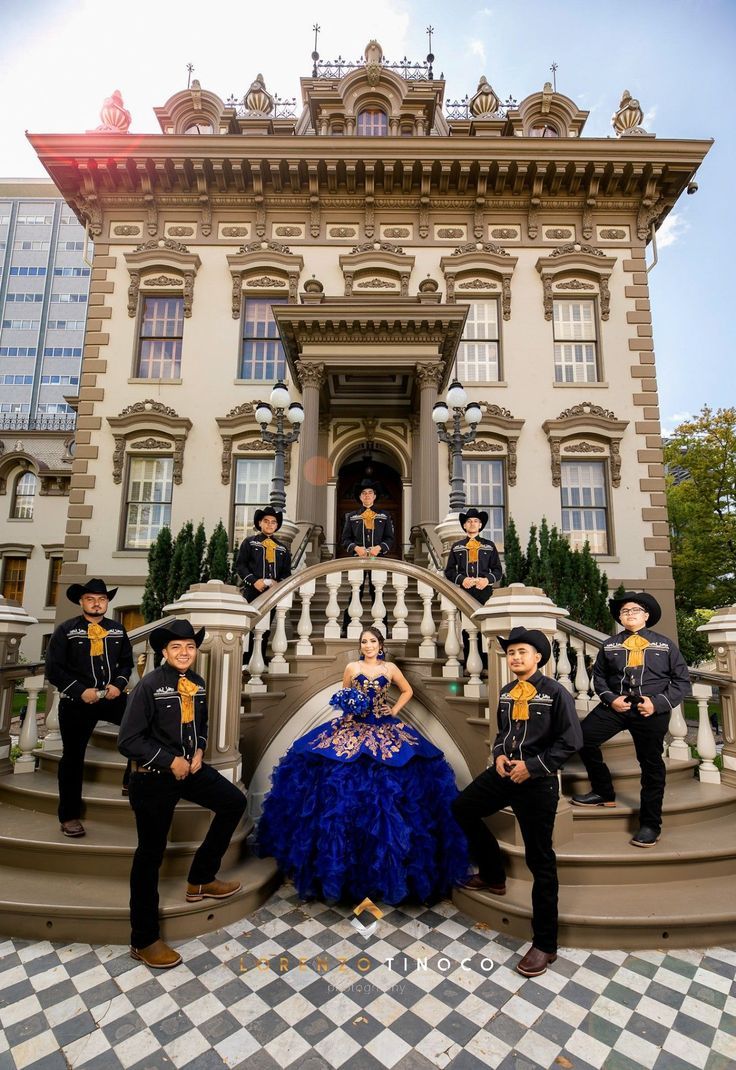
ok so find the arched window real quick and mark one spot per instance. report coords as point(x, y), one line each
point(543, 130)
point(25, 492)
point(372, 122)
point(200, 127)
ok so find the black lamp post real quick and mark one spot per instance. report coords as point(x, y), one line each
point(279, 410)
point(457, 401)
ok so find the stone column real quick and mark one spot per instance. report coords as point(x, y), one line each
point(415, 424)
point(428, 377)
point(721, 632)
point(14, 625)
point(227, 618)
point(514, 607)
point(311, 377)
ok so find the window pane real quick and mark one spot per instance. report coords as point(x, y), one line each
point(54, 576)
point(478, 351)
point(575, 363)
point(574, 320)
point(14, 578)
point(25, 490)
point(162, 327)
point(584, 505)
point(149, 500)
point(372, 123)
point(263, 354)
point(252, 490)
point(484, 488)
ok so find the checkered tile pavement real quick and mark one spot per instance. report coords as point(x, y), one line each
point(295, 985)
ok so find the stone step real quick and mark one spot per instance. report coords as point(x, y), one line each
point(686, 802)
point(694, 913)
point(101, 765)
point(624, 769)
point(32, 840)
point(75, 906)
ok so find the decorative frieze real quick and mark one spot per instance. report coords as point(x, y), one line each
point(234, 230)
point(180, 230)
point(126, 230)
point(613, 233)
point(149, 416)
point(343, 231)
point(450, 233)
point(505, 233)
point(558, 233)
point(151, 444)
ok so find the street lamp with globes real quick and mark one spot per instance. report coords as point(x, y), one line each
point(457, 401)
point(279, 409)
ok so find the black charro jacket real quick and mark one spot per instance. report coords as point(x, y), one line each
point(488, 566)
point(355, 533)
point(151, 732)
point(550, 736)
point(252, 564)
point(71, 668)
point(664, 677)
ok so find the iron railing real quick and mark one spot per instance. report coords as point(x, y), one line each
point(18, 422)
point(460, 109)
point(405, 68)
point(283, 108)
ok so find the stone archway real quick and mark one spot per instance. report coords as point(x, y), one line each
point(392, 498)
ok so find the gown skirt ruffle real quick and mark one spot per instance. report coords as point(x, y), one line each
point(361, 807)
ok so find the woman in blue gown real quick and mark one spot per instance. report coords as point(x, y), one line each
point(361, 806)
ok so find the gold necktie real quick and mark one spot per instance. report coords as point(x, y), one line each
point(187, 690)
point(522, 694)
point(368, 517)
point(270, 547)
point(636, 645)
point(96, 633)
point(472, 546)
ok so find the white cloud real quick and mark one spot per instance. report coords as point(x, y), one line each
point(649, 117)
point(477, 48)
point(673, 228)
point(670, 423)
point(486, 12)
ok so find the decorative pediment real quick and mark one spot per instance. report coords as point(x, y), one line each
point(584, 430)
point(162, 264)
point(575, 267)
point(240, 433)
point(161, 430)
point(196, 111)
point(479, 269)
point(376, 267)
point(264, 266)
point(547, 114)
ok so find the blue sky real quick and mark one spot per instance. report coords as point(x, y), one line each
point(58, 60)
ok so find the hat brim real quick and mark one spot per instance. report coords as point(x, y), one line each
point(646, 601)
point(359, 488)
point(537, 640)
point(482, 516)
point(161, 637)
point(75, 591)
point(261, 513)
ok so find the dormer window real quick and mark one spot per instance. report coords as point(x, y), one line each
point(372, 122)
point(543, 130)
point(200, 128)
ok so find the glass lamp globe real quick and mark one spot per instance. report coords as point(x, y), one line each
point(263, 413)
point(456, 396)
point(279, 396)
point(473, 413)
point(440, 412)
point(295, 413)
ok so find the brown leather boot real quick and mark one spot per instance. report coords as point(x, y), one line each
point(158, 955)
point(535, 962)
point(73, 828)
point(212, 890)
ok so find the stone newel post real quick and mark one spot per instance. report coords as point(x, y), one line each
point(721, 632)
point(14, 625)
point(227, 618)
point(518, 606)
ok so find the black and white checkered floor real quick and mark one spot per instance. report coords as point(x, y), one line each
point(295, 985)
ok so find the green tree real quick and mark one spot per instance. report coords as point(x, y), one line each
point(156, 590)
point(200, 548)
point(533, 564)
point(182, 561)
point(701, 498)
point(513, 558)
point(693, 644)
point(217, 560)
point(190, 568)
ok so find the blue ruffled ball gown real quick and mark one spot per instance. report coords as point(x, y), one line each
point(361, 807)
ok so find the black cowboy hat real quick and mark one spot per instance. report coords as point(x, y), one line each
point(367, 484)
point(646, 601)
point(534, 638)
point(268, 511)
point(178, 629)
point(474, 513)
point(76, 590)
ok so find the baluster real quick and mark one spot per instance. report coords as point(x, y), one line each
point(452, 669)
point(256, 664)
point(28, 740)
point(400, 630)
point(578, 687)
point(355, 609)
point(428, 646)
point(678, 748)
point(378, 609)
point(563, 664)
point(304, 627)
point(706, 744)
point(332, 610)
point(279, 645)
point(53, 733)
point(474, 688)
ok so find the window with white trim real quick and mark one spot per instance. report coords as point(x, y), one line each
point(148, 500)
point(485, 488)
point(576, 349)
point(585, 505)
point(478, 354)
point(23, 496)
point(262, 353)
point(252, 488)
point(162, 328)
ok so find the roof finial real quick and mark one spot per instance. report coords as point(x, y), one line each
point(553, 68)
point(315, 53)
point(430, 58)
point(190, 68)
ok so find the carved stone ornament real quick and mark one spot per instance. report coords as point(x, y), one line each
point(496, 410)
point(477, 284)
point(226, 460)
point(115, 117)
point(162, 243)
point(428, 286)
point(265, 280)
point(234, 232)
point(629, 117)
point(584, 447)
point(613, 234)
point(288, 232)
point(480, 247)
point(178, 465)
point(605, 297)
point(133, 288)
point(247, 410)
point(162, 280)
point(117, 459)
point(150, 444)
point(150, 406)
point(125, 230)
point(376, 284)
point(558, 232)
point(576, 247)
point(378, 246)
point(587, 408)
point(396, 232)
point(429, 375)
point(504, 233)
point(450, 232)
point(310, 374)
point(181, 232)
point(484, 102)
point(255, 246)
point(575, 284)
point(258, 100)
point(547, 296)
point(343, 232)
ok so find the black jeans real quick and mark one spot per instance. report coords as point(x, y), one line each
point(153, 797)
point(77, 722)
point(601, 724)
point(535, 805)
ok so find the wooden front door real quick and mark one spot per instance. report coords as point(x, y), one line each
point(390, 501)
